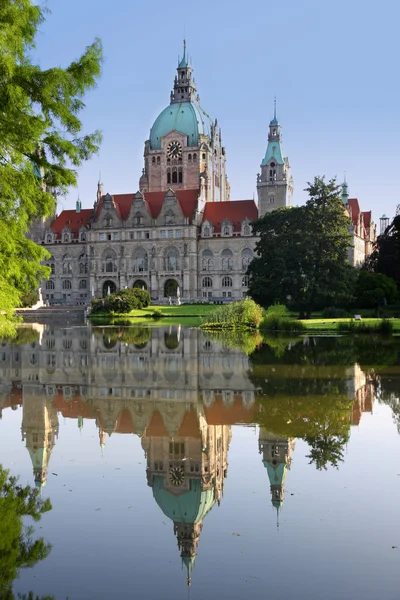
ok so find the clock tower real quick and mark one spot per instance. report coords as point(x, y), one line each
point(184, 151)
point(274, 183)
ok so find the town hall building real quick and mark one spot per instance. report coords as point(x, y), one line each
point(180, 233)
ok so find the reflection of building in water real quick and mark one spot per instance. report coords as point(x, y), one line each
point(186, 465)
point(39, 429)
point(363, 394)
point(277, 458)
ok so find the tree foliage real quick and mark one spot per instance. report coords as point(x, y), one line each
point(41, 142)
point(18, 550)
point(122, 302)
point(302, 252)
point(373, 289)
point(385, 258)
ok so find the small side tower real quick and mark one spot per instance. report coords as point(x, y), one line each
point(274, 184)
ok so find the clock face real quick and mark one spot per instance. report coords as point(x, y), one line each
point(176, 475)
point(174, 149)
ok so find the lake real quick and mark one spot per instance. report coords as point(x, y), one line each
point(180, 464)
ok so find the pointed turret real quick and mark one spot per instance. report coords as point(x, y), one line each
point(277, 458)
point(274, 185)
point(345, 192)
point(184, 84)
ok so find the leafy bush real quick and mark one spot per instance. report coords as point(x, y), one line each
point(122, 302)
point(156, 314)
point(274, 322)
point(29, 298)
point(332, 312)
point(277, 309)
point(245, 314)
point(374, 289)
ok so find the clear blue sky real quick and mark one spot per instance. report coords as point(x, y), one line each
point(333, 65)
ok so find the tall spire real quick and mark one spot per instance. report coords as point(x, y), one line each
point(345, 191)
point(184, 84)
point(274, 120)
point(184, 62)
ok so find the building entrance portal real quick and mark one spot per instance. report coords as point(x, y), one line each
point(139, 283)
point(171, 288)
point(109, 287)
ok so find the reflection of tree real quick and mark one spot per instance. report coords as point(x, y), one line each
point(303, 393)
point(326, 449)
point(17, 548)
point(246, 341)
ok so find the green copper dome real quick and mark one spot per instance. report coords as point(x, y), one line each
point(186, 117)
point(189, 507)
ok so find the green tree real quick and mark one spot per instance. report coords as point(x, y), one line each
point(18, 549)
point(41, 142)
point(385, 258)
point(302, 253)
point(372, 288)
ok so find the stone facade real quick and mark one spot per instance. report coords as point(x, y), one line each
point(180, 231)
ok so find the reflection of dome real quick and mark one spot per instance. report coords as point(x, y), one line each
point(185, 117)
point(276, 475)
point(189, 507)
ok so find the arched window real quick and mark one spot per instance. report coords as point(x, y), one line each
point(207, 262)
point(195, 156)
point(66, 237)
point(207, 282)
point(227, 260)
point(138, 219)
point(153, 160)
point(82, 284)
point(246, 230)
point(83, 236)
point(109, 261)
point(245, 281)
point(168, 175)
point(158, 160)
point(272, 199)
point(52, 268)
point(49, 239)
point(50, 285)
point(180, 176)
point(108, 221)
point(174, 176)
point(140, 260)
point(204, 156)
point(66, 284)
point(172, 259)
point(189, 157)
point(67, 265)
point(226, 282)
point(272, 175)
point(206, 231)
point(247, 257)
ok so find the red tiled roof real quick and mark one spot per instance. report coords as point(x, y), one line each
point(367, 216)
point(235, 211)
point(125, 422)
point(156, 427)
point(74, 408)
point(219, 414)
point(187, 201)
point(354, 209)
point(189, 426)
point(71, 219)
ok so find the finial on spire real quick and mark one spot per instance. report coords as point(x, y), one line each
point(274, 107)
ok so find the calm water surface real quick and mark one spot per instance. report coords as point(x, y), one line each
point(174, 458)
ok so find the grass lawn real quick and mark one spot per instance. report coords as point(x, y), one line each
point(331, 324)
point(186, 314)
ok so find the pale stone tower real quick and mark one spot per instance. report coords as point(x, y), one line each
point(277, 458)
point(40, 430)
point(274, 184)
point(184, 150)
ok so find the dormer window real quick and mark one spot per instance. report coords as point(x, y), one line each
point(138, 220)
point(66, 237)
point(49, 239)
point(169, 218)
point(108, 221)
point(206, 232)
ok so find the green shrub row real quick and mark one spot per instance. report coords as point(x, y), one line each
point(122, 302)
point(245, 314)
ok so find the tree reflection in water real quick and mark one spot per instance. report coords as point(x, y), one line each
point(18, 550)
